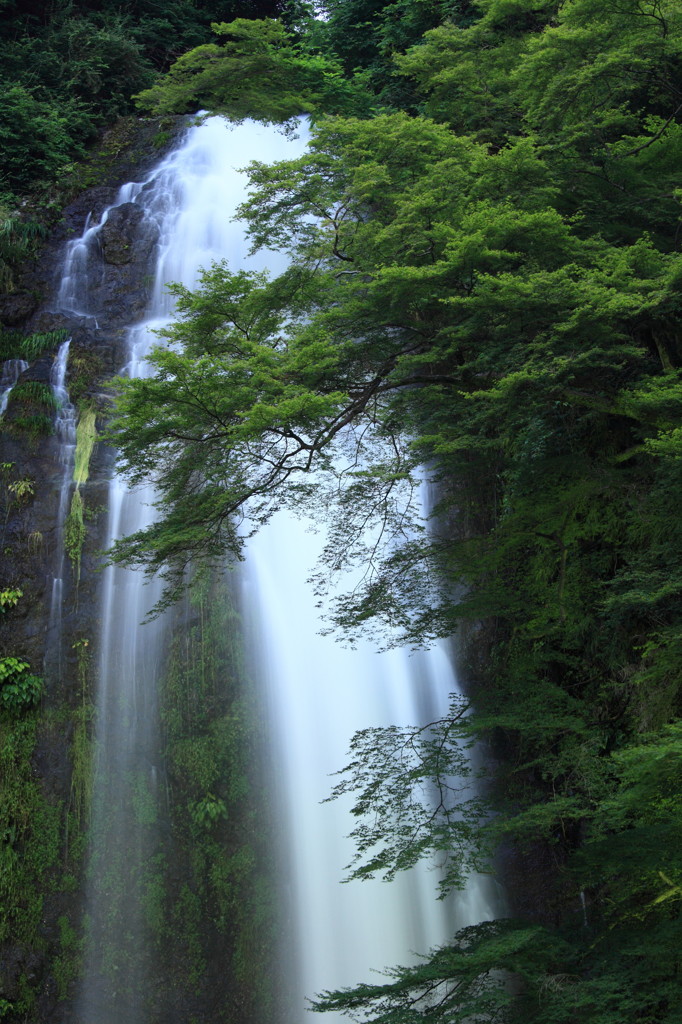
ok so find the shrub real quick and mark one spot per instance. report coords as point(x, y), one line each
point(19, 689)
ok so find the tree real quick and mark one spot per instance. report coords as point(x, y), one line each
point(440, 290)
point(71, 68)
point(469, 979)
point(415, 797)
point(492, 293)
point(259, 71)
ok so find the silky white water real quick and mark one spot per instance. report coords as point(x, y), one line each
point(317, 693)
point(11, 371)
point(65, 431)
point(188, 203)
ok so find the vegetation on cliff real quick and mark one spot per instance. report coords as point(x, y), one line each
point(485, 281)
point(68, 70)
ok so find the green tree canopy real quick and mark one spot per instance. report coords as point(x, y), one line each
point(259, 71)
point(486, 288)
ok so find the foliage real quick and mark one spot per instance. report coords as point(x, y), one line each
point(219, 814)
point(30, 841)
point(484, 283)
point(593, 84)
point(368, 34)
point(86, 436)
point(415, 798)
point(258, 72)
point(42, 147)
point(486, 286)
point(82, 746)
point(460, 982)
point(17, 238)
point(208, 811)
point(69, 69)
point(67, 964)
point(15, 492)
point(85, 367)
point(14, 345)
point(33, 425)
point(9, 598)
point(421, 276)
point(74, 528)
point(19, 689)
point(34, 392)
point(75, 532)
point(31, 408)
point(21, 490)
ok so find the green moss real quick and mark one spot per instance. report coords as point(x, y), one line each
point(196, 760)
point(82, 745)
point(33, 425)
point(218, 811)
point(74, 528)
point(154, 896)
point(67, 964)
point(29, 836)
point(86, 435)
point(85, 367)
point(143, 799)
point(189, 920)
point(161, 139)
point(74, 533)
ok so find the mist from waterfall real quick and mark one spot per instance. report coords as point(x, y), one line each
point(319, 694)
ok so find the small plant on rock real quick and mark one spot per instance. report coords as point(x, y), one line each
point(19, 689)
point(208, 811)
point(9, 598)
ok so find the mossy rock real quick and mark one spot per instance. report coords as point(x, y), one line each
point(85, 369)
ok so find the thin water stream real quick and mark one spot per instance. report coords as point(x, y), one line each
point(65, 430)
point(317, 693)
point(12, 369)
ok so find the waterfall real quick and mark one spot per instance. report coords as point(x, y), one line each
point(317, 693)
point(189, 202)
point(12, 369)
point(76, 278)
point(65, 430)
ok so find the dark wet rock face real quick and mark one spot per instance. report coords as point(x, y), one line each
point(17, 307)
point(16, 965)
point(87, 207)
point(119, 235)
point(118, 269)
point(126, 250)
point(95, 290)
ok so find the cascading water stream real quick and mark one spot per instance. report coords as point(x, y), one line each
point(12, 369)
point(65, 430)
point(188, 202)
point(318, 694)
point(76, 277)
